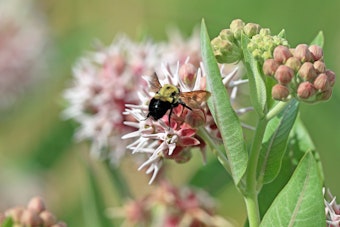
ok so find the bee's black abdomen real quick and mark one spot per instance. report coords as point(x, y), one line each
point(158, 108)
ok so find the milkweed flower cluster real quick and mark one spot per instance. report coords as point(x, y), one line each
point(332, 210)
point(34, 214)
point(167, 205)
point(23, 36)
point(161, 141)
point(104, 81)
point(300, 72)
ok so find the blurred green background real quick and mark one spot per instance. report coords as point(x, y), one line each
point(37, 153)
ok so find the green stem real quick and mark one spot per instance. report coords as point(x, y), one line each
point(276, 109)
point(218, 150)
point(251, 183)
point(118, 182)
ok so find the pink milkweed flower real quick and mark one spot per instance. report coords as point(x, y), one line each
point(161, 141)
point(171, 206)
point(103, 82)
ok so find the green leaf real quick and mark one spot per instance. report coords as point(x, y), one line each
point(223, 113)
point(258, 91)
point(301, 142)
point(8, 222)
point(275, 142)
point(213, 185)
point(300, 203)
point(94, 206)
point(319, 39)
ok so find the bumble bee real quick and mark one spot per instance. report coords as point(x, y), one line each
point(168, 97)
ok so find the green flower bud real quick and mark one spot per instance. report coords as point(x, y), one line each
point(317, 52)
point(302, 52)
point(321, 83)
point(236, 26)
point(269, 67)
point(319, 66)
point(306, 90)
point(281, 54)
point(293, 63)
point(284, 74)
point(265, 31)
point(226, 51)
point(307, 71)
point(227, 34)
point(280, 92)
point(251, 29)
point(262, 46)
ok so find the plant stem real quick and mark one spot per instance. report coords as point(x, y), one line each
point(118, 182)
point(251, 183)
point(218, 150)
point(276, 109)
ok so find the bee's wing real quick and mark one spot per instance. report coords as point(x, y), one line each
point(194, 99)
point(154, 83)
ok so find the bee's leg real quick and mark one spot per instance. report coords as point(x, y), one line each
point(184, 105)
point(169, 117)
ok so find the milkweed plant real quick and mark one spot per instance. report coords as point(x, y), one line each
point(249, 126)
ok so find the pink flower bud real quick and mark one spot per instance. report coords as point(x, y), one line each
point(322, 83)
point(284, 74)
point(31, 218)
point(270, 66)
point(305, 90)
point(281, 54)
point(319, 66)
point(280, 92)
point(36, 204)
point(60, 224)
point(293, 63)
point(187, 72)
point(48, 218)
point(195, 118)
point(317, 52)
point(331, 77)
point(307, 71)
point(302, 52)
point(325, 95)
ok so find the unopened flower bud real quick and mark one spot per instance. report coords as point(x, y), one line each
point(195, 118)
point(331, 77)
point(227, 34)
point(306, 90)
point(293, 63)
point(281, 54)
point(48, 218)
point(31, 218)
point(319, 66)
point(187, 73)
point(307, 71)
point(270, 66)
point(265, 31)
point(251, 29)
point(36, 204)
point(322, 83)
point(284, 74)
point(236, 26)
point(317, 52)
point(302, 52)
point(183, 156)
point(325, 95)
point(225, 51)
point(60, 224)
point(280, 92)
